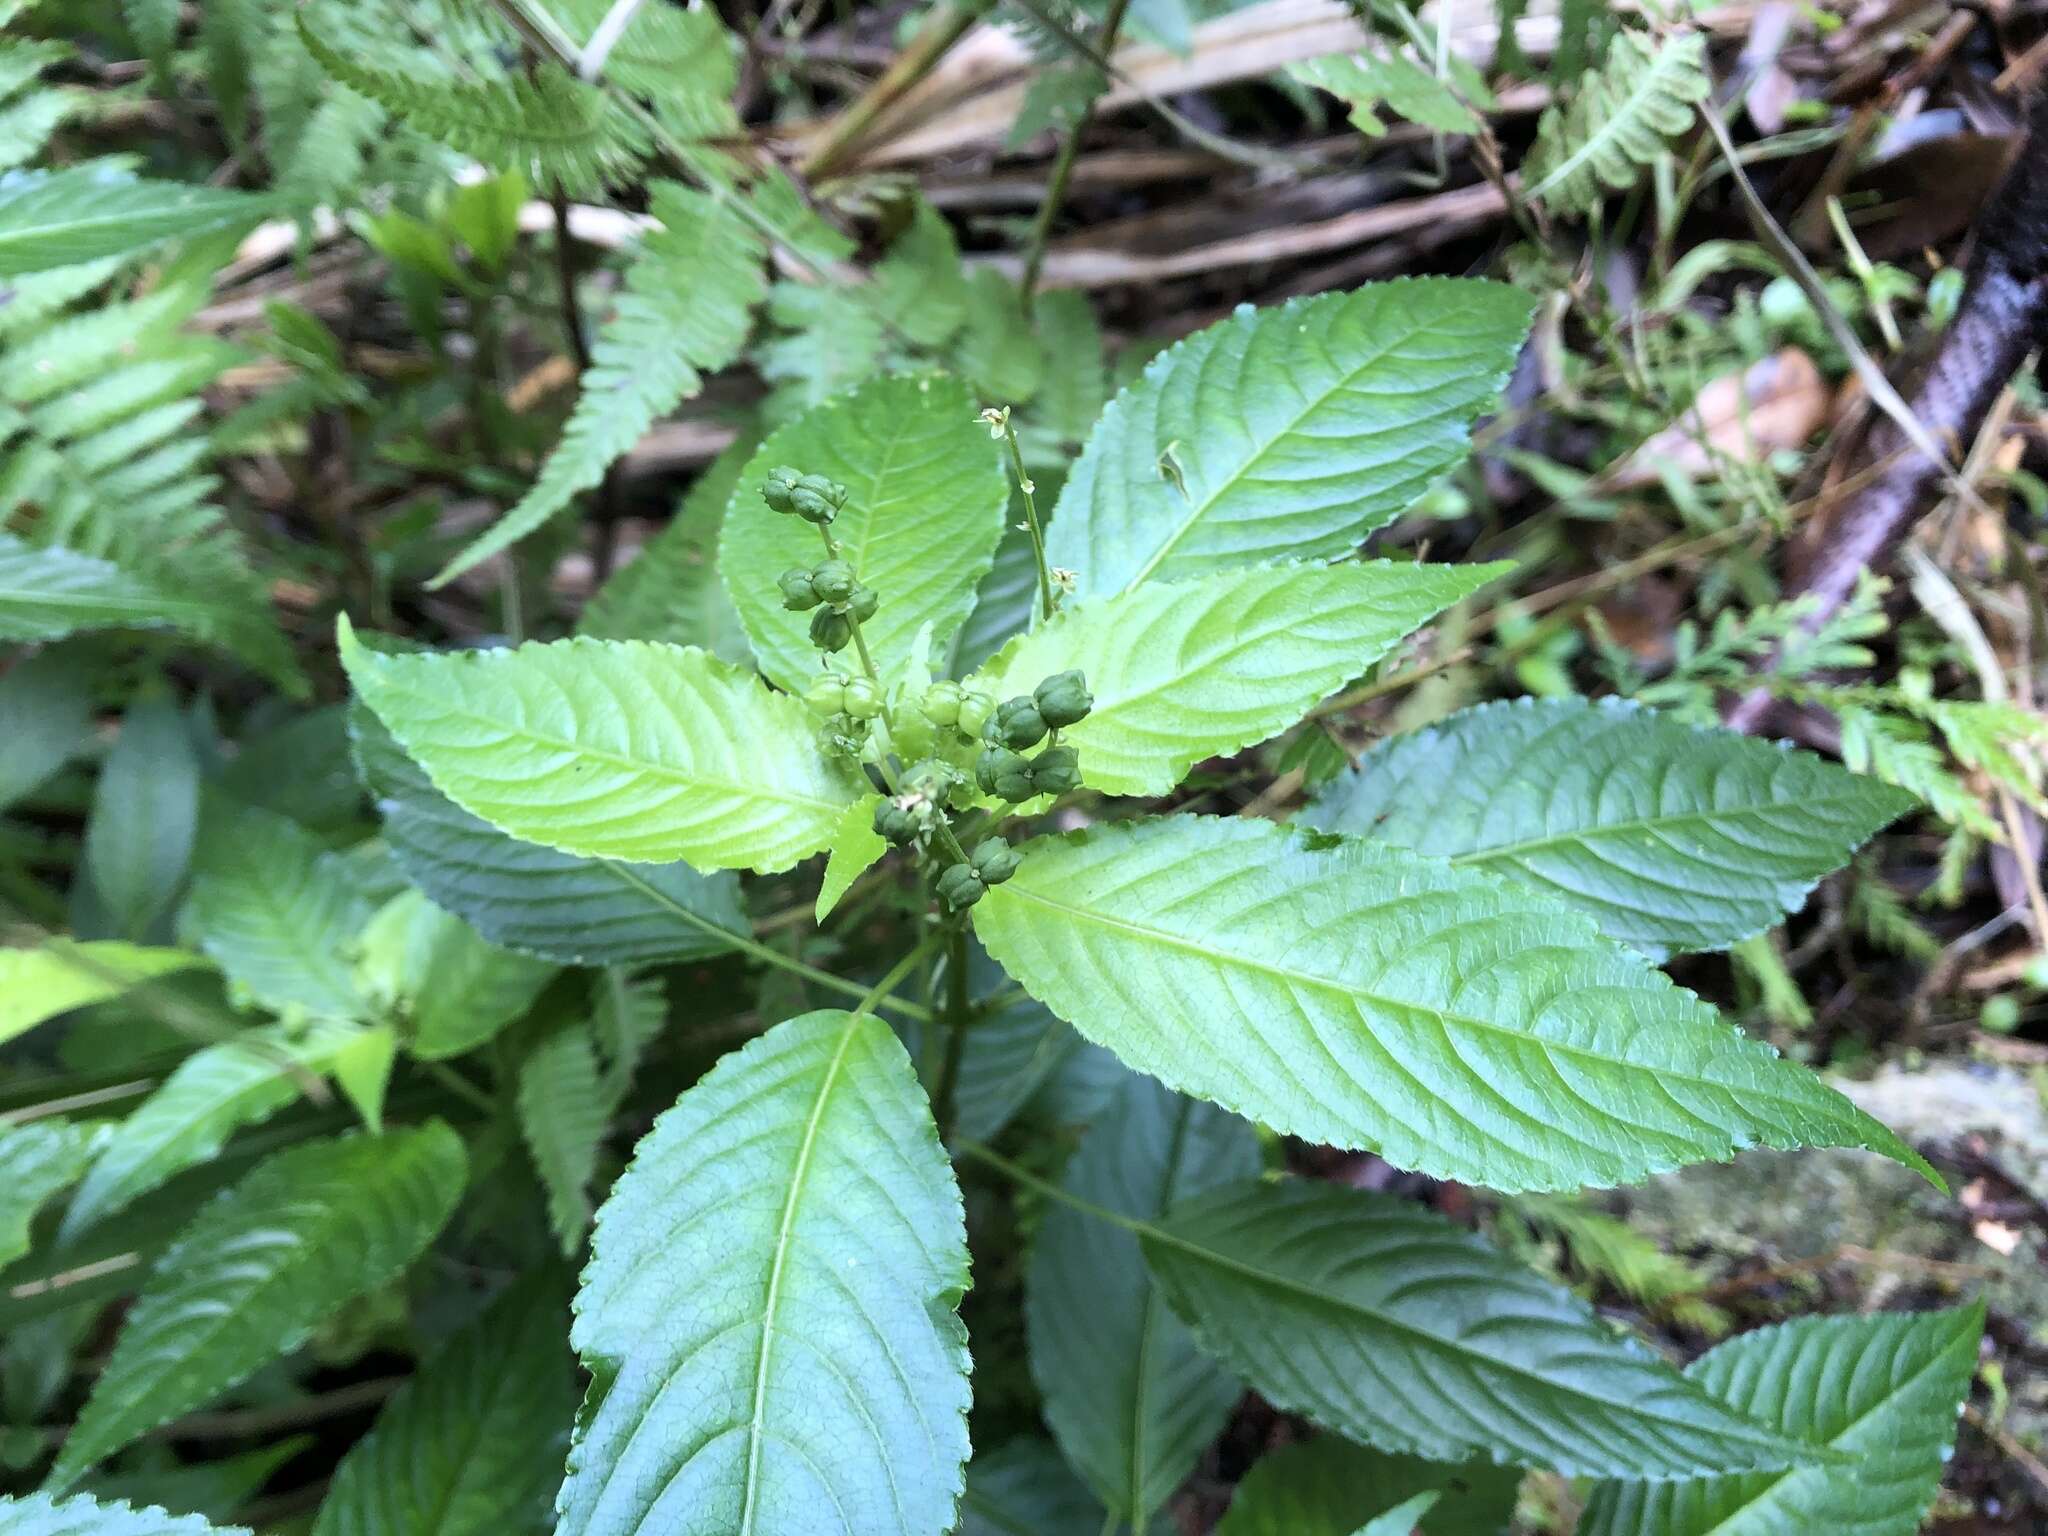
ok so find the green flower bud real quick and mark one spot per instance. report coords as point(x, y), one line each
point(843, 736)
point(863, 603)
point(941, 703)
point(863, 699)
point(816, 499)
point(960, 887)
point(994, 861)
point(1063, 699)
point(894, 823)
point(1016, 724)
point(1003, 773)
point(1055, 770)
point(798, 594)
point(830, 630)
point(828, 694)
point(975, 708)
point(779, 488)
point(935, 779)
point(833, 581)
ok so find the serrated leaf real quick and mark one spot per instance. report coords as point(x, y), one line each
point(60, 218)
point(1128, 1396)
point(571, 910)
point(768, 1311)
point(189, 1118)
point(455, 987)
point(1453, 1023)
point(1670, 837)
point(277, 912)
point(1185, 670)
point(1326, 1486)
point(1023, 1488)
point(673, 753)
point(38, 1161)
point(563, 1107)
point(468, 1446)
point(40, 1514)
point(39, 984)
point(1387, 1324)
point(145, 814)
point(920, 525)
point(920, 287)
point(46, 700)
point(854, 848)
point(258, 1268)
point(684, 309)
point(1617, 120)
point(1885, 1391)
point(1285, 433)
point(628, 1012)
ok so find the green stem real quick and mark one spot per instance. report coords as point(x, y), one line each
point(1063, 168)
point(958, 1007)
point(981, 1152)
point(1047, 602)
point(876, 995)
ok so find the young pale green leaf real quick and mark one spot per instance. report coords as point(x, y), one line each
point(46, 700)
point(1370, 83)
point(563, 1107)
point(1130, 1399)
point(39, 984)
point(1327, 1486)
point(1885, 1391)
point(686, 306)
point(59, 218)
point(537, 900)
point(1454, 1023)
point(308, 1230)
point(469, 1446)
point(1285, 433)
point(455, 987)
point(1669, 837)
point(1385, 1323)
point(38, 1160)
point(1023, 1488)
point(40, 1514)
point(923, 513)
point(768, 1311)
point(1617, 120)
point(145, 814)
point(277, 911)
point(1402, 1519)
point(1185, 670)
point(624, 750)
point(855, 847)
point(213, 1093)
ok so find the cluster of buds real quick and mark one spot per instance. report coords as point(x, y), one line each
point(1016, 725)
point(993, 861)
point(951, 707)
point(836, 593)
point(928, 788)
point(813, 498)
point(834, 693)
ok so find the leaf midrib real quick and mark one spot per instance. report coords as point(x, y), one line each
point(1597, 830)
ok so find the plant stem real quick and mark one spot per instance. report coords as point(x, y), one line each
point(877, 995)
point(1063, 167)
point(958, 1007)
point(1028, 489)
point(979, 1152)
point(910, 66)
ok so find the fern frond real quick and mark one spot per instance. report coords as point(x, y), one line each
point(1618, 121)
point(1608, 1249)
point(30, 111)
point(548, 124)
point(686, 305)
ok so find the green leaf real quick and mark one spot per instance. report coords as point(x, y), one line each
point(457, 988)
point(1617, 120)
point(39, 984)
point(1456, 1024)
point(38, 1161)
point(215, 1489)
point(996, 349)
point(1130, 1399)
point(1670, 837)
point(1010, 1053)
point(1395, 83)
point(525, 897)
point(1285, 433)
point(920, 287)
point(673, 753)
point(1186, 670)
point(468, 1446)
point(768, 1311)
point(1885, 1391)
point(920, 525)
point(145, 814)
point(277, 912)
point(188, 1119)
point(1387, 1324)
point(1076, 385)
point(46, 700)
point(854, 848)
point(563, 1108)
point(1023, 1488)
point(260, 1267)
point(1327, 1486)
point(59, 218)
point(39, 1514)
point(1403, 1518)
point(671, 590)
point(684, 309)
